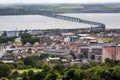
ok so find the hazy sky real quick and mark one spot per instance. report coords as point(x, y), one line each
point(57, 1)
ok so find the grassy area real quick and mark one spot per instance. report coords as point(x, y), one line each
point(106, 39)
point(26, 70)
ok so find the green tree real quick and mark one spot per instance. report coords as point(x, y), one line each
point(39, 64)
point(25, 76)
point(51, 76)
point(96, 72)
point(46, 68)
point(29, 61)
point(15, 75)
point(85, 66)
point(107, 74)
point(116, 73)
point(30, 40)
point(110, 62)
point(25, 35)
point(40, 75)
point(6, 39)
point(43, 56)
point(31, 75)
point(77, 74)
point(4, 70)
point(60, 68)
point(70, 74)
point(84, 75)
point(20, 65)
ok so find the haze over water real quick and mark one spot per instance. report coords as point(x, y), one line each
point(22, 22)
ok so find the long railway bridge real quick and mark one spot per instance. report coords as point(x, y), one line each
point(99, 27)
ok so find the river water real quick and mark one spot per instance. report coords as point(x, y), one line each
point(22, 22)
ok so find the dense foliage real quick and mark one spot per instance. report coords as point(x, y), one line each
point(109, 70)
point(6, 39)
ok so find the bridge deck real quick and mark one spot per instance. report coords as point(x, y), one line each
point(100, 26)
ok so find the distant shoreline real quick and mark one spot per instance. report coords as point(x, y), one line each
point(29, 9)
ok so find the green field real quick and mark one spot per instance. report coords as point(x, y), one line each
point(106, 39)
point(26, 70)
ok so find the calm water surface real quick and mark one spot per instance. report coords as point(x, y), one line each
point(41, 22)
point(23, 22)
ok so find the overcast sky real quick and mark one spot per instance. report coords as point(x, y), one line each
point(57, 1)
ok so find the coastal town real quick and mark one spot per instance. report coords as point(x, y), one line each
point(76, 47)
point(59, 40)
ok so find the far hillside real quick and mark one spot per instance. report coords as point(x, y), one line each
point(26, 9)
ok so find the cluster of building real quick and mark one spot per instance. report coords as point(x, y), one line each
point(84, 47)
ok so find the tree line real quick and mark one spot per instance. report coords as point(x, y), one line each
point(108, 70)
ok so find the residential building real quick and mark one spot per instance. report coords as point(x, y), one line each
point(12, 33)
point(99, 53)
point(112, 52)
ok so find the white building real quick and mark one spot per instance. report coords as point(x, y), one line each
point(18, 40)
point(12, 33)
point(66, 39)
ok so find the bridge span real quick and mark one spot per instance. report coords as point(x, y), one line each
point(99, 26)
